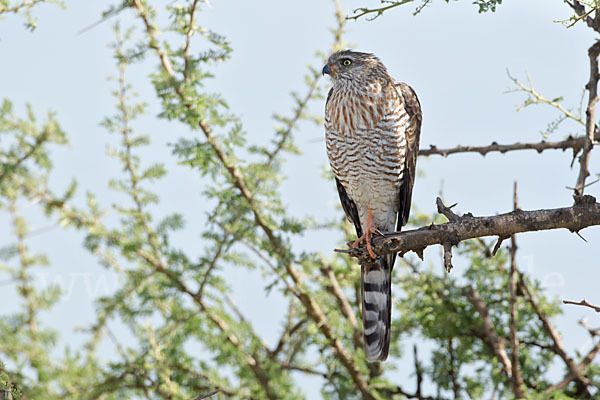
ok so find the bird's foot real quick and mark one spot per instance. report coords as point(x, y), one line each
point(366, 237)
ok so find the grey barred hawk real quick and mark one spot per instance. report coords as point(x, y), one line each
point(372, 126)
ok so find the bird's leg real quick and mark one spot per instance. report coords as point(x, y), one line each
point(366, 237)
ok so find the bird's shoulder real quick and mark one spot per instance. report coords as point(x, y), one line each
point(410, 99)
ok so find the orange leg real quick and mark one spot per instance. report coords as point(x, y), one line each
point(366, 237)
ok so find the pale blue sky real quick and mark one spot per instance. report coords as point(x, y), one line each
point(455, 59)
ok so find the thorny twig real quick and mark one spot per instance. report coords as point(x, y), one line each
point(576, 143)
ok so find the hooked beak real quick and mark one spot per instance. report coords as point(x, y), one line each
point(326, 69)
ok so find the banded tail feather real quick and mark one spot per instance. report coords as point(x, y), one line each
point(376, 293)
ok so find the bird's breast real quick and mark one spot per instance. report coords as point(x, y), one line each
point(365, 141)
point(350, 113)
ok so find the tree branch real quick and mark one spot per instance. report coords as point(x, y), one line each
point(188, 38)
point(583, 303)
point(6, 168)
point(572, 142)
point(287, 334)
point(207, 395)
point(516, 377)
point(539, 99)
point(17, 7)
point(362, 11)
point(571, 376)
point(497, 343)
point(11, 387)
point(418, 373)
point(345, 306)
point(582, 14)
point(559, 349)
point(593, 332)
point(26, 287)
point(398, 390)
point(306, 370)
point(455, 385)
point(585, 212)
point(590, 117)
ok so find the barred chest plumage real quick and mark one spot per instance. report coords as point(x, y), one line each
point(366, 145)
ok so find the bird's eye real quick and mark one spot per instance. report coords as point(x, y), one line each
point(346, 62)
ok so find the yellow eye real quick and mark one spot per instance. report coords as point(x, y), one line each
point(346, 62)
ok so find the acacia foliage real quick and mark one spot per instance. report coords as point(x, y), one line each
point(189, 338)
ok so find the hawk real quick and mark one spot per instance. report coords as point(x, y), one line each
point(372, 126)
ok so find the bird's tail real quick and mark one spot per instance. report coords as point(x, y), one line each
point(376, 292)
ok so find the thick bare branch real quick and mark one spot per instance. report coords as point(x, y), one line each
point(584, 213)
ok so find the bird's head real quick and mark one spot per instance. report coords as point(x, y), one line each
point(352, 65)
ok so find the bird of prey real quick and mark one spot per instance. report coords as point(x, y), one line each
point(372, 126)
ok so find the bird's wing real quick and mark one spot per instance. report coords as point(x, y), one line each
point(349, 207)
point(412, 132)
